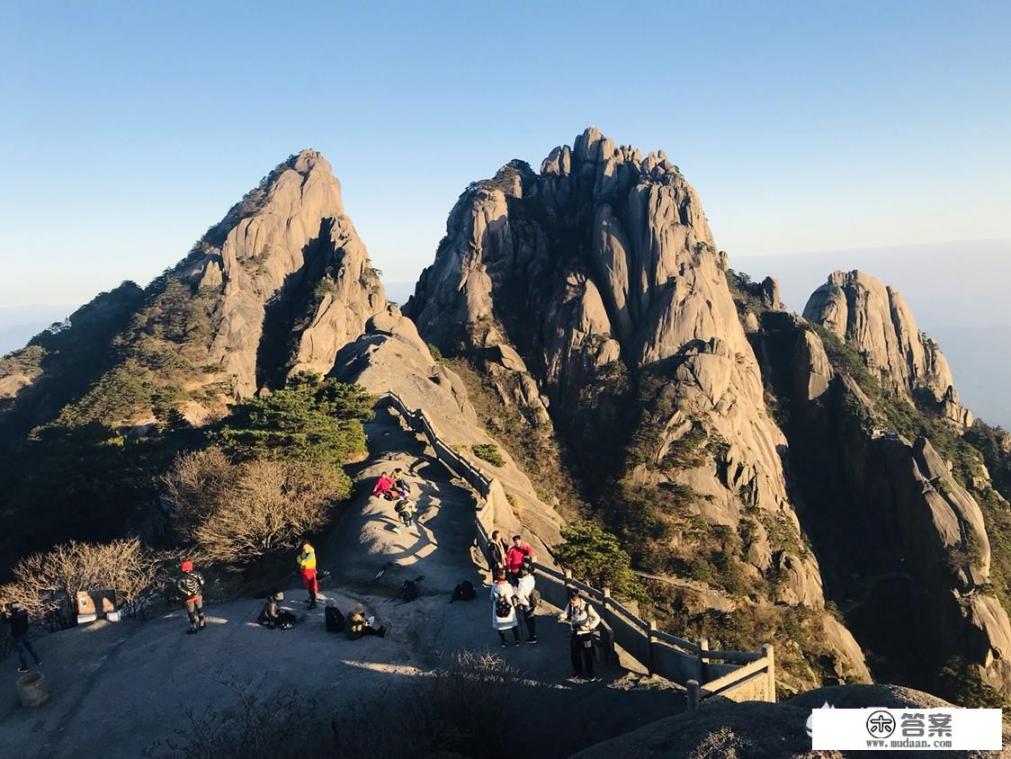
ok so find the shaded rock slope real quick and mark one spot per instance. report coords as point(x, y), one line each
point(891, 495)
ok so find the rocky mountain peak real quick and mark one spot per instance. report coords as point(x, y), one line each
point(878, 322)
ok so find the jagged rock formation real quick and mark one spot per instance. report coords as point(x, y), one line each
point(878, 322)
point(594, 287)
point(278, 286)
point(902, 543)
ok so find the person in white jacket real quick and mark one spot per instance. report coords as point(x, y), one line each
point(583, 620)
point(526, 601)
point(503, 610)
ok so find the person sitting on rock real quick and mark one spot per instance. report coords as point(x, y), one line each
point(405, 511)
point(383, 487)
point(401, 487)
point(358, 624)
point(273, 616)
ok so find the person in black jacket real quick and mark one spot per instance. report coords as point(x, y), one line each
point(18, 619)
point(190, 585)
point(273, 616)
point(496, 554)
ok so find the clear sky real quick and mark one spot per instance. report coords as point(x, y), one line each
point(126, 129)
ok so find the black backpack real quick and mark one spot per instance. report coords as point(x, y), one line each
point(503, 608)
point(334, 619)
point(464, 592)
point(409, 590)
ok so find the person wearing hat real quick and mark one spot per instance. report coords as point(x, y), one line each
point(307, 568)
point(190, 585)
point(273, 616)
point(583, 621)
point(358, 624)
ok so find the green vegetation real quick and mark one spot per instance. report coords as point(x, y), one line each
point(961, 683)
point(311, 420)
point(489, 452)
point(596, 557)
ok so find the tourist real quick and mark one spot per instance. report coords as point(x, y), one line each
point(18, 619)
point(503, 610)
point(401, 487)
point(273, 616)
point(383, 487)
point(358, 624)
point(518, 555)
point(307, 568)
point(405, 511)
point(583, 621)
point(527, 600)
point(190, 585)
point(496, 554)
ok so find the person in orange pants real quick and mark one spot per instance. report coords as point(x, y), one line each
point(307, 568)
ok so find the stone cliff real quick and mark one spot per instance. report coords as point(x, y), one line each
point(899, 530)
point(876, 320)
point(593, 299)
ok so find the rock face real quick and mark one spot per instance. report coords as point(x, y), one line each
point(286, 259)
point(878, 322)
point(278, 286)
point(902, 543)
point(578, 288)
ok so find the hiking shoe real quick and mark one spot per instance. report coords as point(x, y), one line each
point(192, 631)
point(505, 645)
point(532, 640)
point(24, 669)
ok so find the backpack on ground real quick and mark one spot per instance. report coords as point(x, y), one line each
point(409, 591)
point(464, 592)
point(503, 608)
point(534, 599)
point(334, 619)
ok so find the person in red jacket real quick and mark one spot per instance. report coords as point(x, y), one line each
point(519, 553)
point(384, 485)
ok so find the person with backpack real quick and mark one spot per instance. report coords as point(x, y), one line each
point(307, 568)
point(518, 555)
point(503, 610)
point(496, 554)
point(583, 621)
point(405, 512)
point(528, 598)
point(17, 617)
point(190, 585)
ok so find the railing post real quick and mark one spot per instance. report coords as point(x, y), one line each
point(650, 634)
point(693, 695)
point(703, 650)
point(770, 655)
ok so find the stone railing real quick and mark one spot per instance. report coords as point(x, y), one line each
point(734, 675)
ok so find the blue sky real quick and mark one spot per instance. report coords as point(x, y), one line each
point(129, 128)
